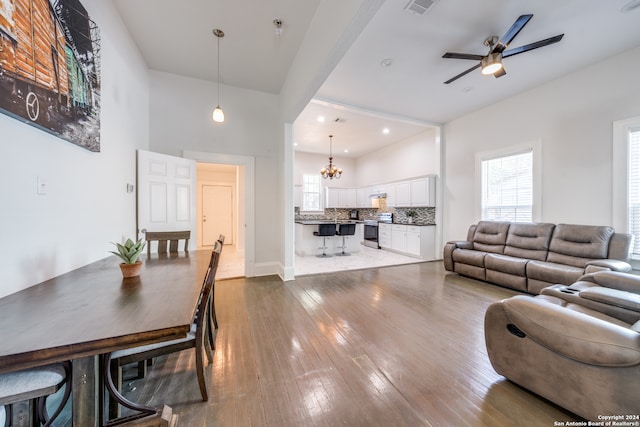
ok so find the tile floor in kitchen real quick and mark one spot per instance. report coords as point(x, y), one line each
point(232, 262)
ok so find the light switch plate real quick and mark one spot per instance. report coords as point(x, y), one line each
point(42, 186)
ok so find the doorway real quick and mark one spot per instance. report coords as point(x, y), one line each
point(219, 207)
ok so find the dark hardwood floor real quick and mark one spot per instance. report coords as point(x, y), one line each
point(391, 346)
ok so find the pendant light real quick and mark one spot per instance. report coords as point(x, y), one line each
point(218, 114)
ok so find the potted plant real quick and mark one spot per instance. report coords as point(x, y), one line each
point(129, 253)
point(410, 215)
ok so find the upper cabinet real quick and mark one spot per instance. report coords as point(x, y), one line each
point(340, 197)
point(419, 192)
point(423, 191)
point(403, 193)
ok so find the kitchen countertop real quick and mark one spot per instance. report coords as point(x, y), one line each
point(326, 221)
point(419, 224)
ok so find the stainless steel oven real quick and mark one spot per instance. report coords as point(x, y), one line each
point(371, 229)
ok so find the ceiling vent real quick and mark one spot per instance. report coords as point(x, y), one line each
point(419, 7)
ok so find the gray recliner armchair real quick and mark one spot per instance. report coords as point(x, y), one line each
point(580, 357)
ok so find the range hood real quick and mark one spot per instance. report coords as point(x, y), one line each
point(378, 196)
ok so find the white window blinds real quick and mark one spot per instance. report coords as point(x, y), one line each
point(311, 190)
point(507, 188)
point(633, 187)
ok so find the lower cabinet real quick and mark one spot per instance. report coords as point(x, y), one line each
point(384, 235)
point(413, 240)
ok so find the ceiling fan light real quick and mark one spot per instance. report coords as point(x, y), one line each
point(218, 115)
point(491, 63)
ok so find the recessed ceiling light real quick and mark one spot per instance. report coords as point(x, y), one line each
point(633, 4)
point(346, 150)
point(386, 62)
point(385, 131)
point(295, 144)
point(321, 119)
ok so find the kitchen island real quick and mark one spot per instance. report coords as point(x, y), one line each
point(306, 244)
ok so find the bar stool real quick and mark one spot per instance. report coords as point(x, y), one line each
point(324, 231)
point(344, 231)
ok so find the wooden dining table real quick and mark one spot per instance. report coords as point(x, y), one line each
point(90, 311)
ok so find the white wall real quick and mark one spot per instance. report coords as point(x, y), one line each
point(572, 117)
point(415, 156)
point(87, 205)
point(312, 163)
point(180, 120)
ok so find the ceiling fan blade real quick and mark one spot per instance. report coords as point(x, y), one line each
point(501, 72)
point(531, 46)
point(511, 33)
point(464, 73)
point(463, 56)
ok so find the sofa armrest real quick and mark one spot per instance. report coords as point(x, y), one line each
point(615, 280)
point(624, 299)
point(607, 264)
point(573, 334)
point(449, 247)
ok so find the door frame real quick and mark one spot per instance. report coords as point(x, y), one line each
point(249, 205)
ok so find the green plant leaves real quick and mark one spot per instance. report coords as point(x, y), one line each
point(130, 251)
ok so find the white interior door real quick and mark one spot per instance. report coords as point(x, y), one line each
point(166, 193)
point(217, 214)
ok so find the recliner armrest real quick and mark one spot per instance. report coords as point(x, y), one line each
point(611, 264)
point(615, 280)
point(624, 299)
point(461, 244)
point(573, 334)
point(449, 247)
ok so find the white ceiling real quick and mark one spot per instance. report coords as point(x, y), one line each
point(253, 56)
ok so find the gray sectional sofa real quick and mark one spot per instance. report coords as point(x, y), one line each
point(531, 256)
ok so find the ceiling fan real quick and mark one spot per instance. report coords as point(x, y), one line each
point(491, 63)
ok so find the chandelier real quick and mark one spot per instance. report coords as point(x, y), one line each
point(331, 171)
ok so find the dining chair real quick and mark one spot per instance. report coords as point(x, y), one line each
point(195, 339)
point(167, 240)
point(23, 394)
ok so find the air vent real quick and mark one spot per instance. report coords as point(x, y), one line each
point(419, 7)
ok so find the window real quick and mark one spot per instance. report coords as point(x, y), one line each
point(507, 187)
point(311, 192)
point(626, 182)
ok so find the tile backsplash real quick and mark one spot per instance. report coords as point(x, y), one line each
point(423, 216)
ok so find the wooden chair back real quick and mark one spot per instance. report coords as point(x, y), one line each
point(167, 240)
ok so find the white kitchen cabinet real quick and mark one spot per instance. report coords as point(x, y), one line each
point(391, 195)
point(384, 235)
point(403, 193)
point(413, 240)
point(332, 199)
point(362, 197)
point(414, 235)
point(399, 237)
point(348, 198)
point(423, 191)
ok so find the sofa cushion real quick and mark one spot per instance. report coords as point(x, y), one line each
point(576, 244)
point(469, 256)
point(490, 236)
point(529, 240)
point(506, 264)
point(553, 273)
